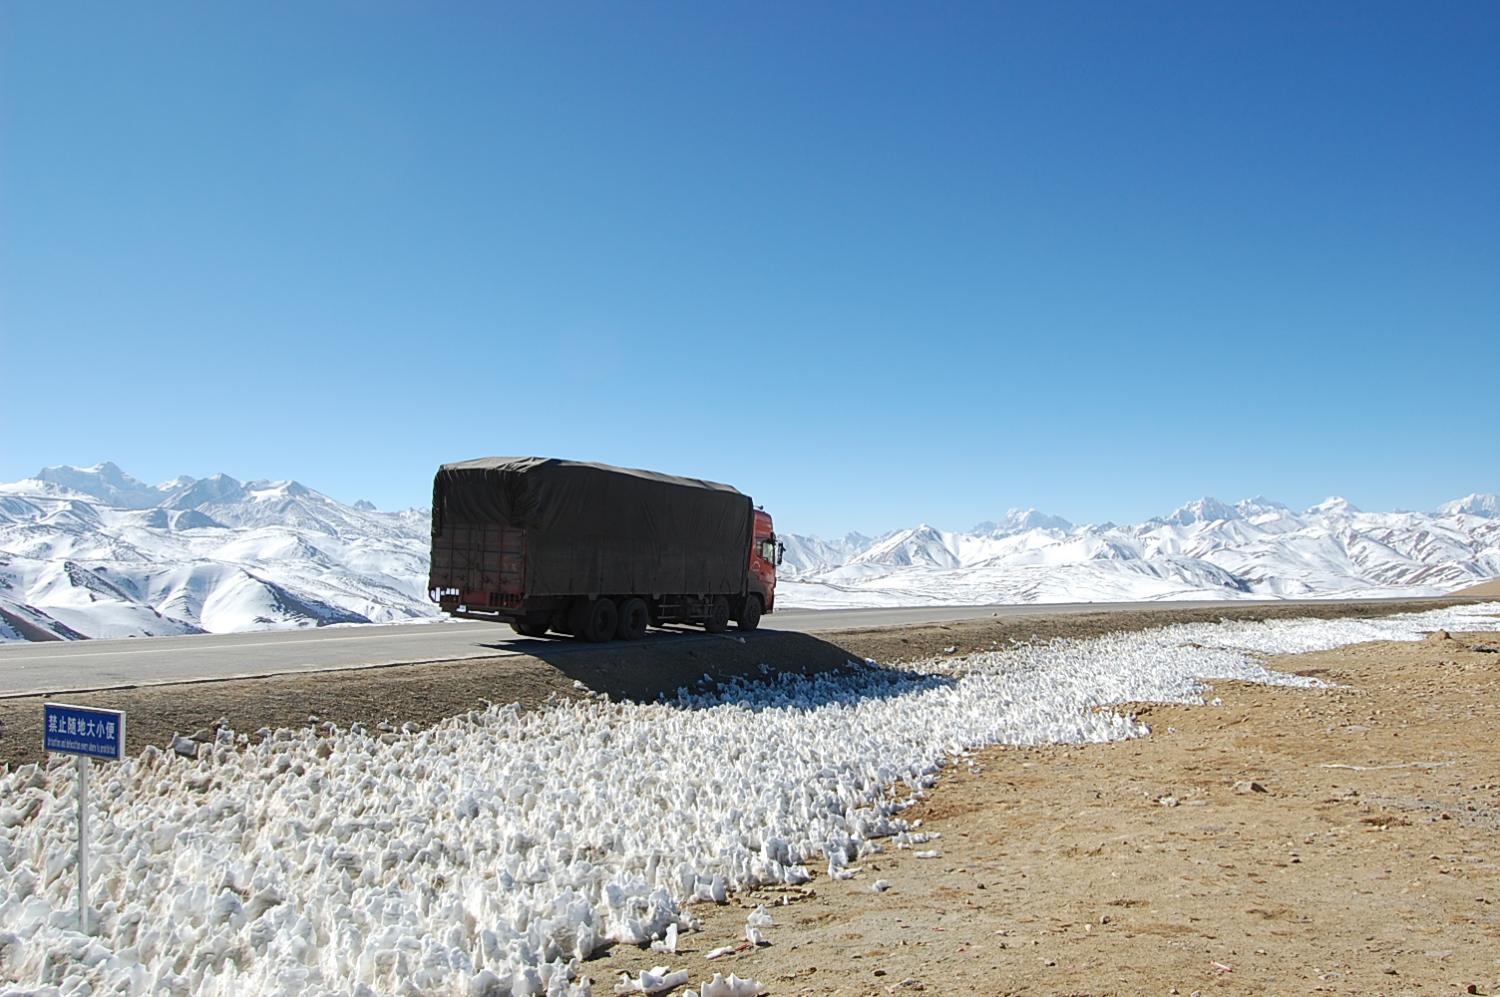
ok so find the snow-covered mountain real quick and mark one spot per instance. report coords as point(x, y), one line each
point(1205, 549)
point(93, 552)
point(805, 555)
point(1473, 505)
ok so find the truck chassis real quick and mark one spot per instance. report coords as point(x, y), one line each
point(607, 617)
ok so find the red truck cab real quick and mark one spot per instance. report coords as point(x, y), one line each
point(765, 555)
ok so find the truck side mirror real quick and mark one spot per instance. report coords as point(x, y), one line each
point(780, 552)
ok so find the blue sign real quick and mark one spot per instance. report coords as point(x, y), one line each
point(83, 730)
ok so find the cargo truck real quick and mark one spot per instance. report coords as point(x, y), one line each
point(596, 551)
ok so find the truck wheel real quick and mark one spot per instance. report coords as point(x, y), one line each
point(529, 628)
point(634, 618)
point(750, 614)
point(601, 621)
point(718, 616)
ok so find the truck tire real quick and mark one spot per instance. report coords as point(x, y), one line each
point(718, 616)
point(634, 618)
point(750, 613)
point(529, 628)
point(601, 619)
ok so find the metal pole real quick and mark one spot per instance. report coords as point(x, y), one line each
point(83, 844)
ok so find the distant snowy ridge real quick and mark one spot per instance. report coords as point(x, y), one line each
point(1473, 505)
point(1205, 549)
point(94, 552)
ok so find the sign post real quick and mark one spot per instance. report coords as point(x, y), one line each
point(86, 733)
point(83, 843)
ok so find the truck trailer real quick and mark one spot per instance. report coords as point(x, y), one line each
point(596, 551)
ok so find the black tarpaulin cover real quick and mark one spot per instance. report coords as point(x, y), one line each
point(593, 528)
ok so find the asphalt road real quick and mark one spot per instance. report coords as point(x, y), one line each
point(31, 669)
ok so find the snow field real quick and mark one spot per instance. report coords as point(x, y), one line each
point(492, 853)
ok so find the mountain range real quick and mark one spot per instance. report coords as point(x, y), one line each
point(1205, 549)
point(94, 552)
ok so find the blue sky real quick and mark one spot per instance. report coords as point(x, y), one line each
point(872, 263)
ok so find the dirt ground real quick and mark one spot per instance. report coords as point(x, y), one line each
point(1339, 840)
point(426, 693)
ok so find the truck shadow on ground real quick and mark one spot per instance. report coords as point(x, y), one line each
point(672, 660)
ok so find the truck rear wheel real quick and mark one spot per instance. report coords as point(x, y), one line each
point(634, 618)
point(750, 613)
point(529, 628)
point(718, 616)
point(600, 620)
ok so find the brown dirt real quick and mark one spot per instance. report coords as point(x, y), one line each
point(1487, 589)
point(426, 693)
point(1367, 865)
